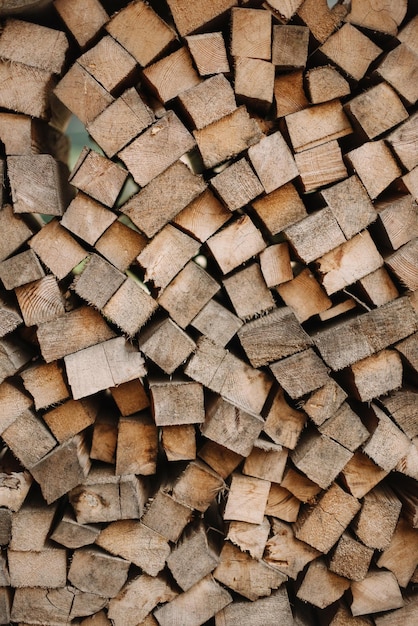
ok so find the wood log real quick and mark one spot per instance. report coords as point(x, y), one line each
point(346, 428)
point(282, 504)
point(287, 372)
point(377, 375)
point(289, 94)
point(179, 442)
point(71, 418)
point(251, 491)
point(361, 474)
point(183, 78)
point(17, 229)
point(47, 568)
point(192, 559)
point(137, 598)
point(98, 177)
point(40, 301)
point(251, 33)
point(351, 50)
point(275, 264)
point(378, 591)
point(13, 356)
point(84, 25)
point(166, 344)
point(304, 239)
point(10, 318)
point(14, 484)
point(251, 538)
point(321, 166)
point(203, 216)
point(26, 89)
point(386, 457)
point(98, 281)
point(273, 162)
point(188, 22)
point(219, 458)
point(322, 404)
point(261, 611)
point(13, 403)
point(209, 53)
point(320, 586)
point(280, 208)
point(325, 83)
point(351, 559)
point(373, 527)
point(350, 205)
point(116, 308)
point(241, 239)
point(120, 245)
point(379, 287)
point(294, 294)
point(254, 82)
point(400, 406)
point(20, 269)
point(387, 167)
point(28, 438)
point(286, 553)
point(402, 141)
point(317, 125)
point(290, 47)
point(186, 396)
point(69, 533)
point(321, 20)
point(397, 220)
point(166, 516)
point(400, 556)
point(398, 615)
point(58, 605)
point(248, 292)
point(404, 81)
point(216, 322)
point(237, 185)
point(137, 445)
point(97, 572)
point(403, 264)
point(109, 63)
point(197, 486)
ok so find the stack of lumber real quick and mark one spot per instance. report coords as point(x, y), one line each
point(209, 328)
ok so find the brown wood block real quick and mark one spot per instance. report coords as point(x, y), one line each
point(176, 402)
point(46, 568)
point(266, 461)
point(120, 122)
point(72, 332)
point(351, 50)
point(288, 373)
point(166, 516)
point(40, 301)
point(25, 89)
point(283, 10)
point(94, 571)
point(102, 366)
point(410, 181)
point(17, 232)
point(376, 375)
point(275, 264)
point(397, 220)
point(157, 148)
point(165, 196)
point(282, 504)
point(105, 435)
point(13, 402)
point(251, 538)
point(385, 169)
point(273, 162)
point(247, 499)
point(236, 243)
point(175, 298)
point(284, 424)
point(325, 83)
point(320, 586)
point(254, 82)
point(28, 438)
point(203, 216)
point(280, 209)
point(209, 53)
point(71, 534)
point(216, 322)
point(141, 31)
point(321, 166)
point(387, 444)
point(401, 404)
point(320, 18)
point(109, 63)
point(259, 612)
point(193, 558)
point(378, 517)
point(37, 184)
point(350, 205)
point(248, 292)
point(383, 17)
point(237, 185)
point(197, 486)
point(227, 137)
point(130, 307)
point(403, 141)
point(379, 287)
point(98, 281)
point(322, 404)
point(361, 474)
point(166, 344)
point(351, 559)
point(13, 356)
point(304, 295)
point(290, 47)
point(286, 553)
point(179, 442)
point(20, 269)
point(403, 264)
point(379, 591)
point(208, 101)
point(247, 576)
point(346, 428)
point(87, 218)
point(399, 616)
point(70, 418)
point(219, 458)
point(98, 177)
point(188, 20)
point(400, 556)
point(84, 19)
point(5, 536)
point(399, 69)
point(289, 93)
point(120, 245)
point(172, 75)
point(57, 249)
point(82, 94)
point(251, 33)
point(137, 598)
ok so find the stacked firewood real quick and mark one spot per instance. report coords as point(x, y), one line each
point(209, 328)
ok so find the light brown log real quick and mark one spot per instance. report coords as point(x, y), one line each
point(14, 486)
point(399, 616)
point(109, 63)
point(177, 402)
point(322, 404)
point(247, 576)
point(98, 281)
point(384, 17)
point(321, 166)
point(130, 307)
point(102, 366)
point(281, 504)
point(96, 572)
point(197, 486)
point(351, 559)
point(10, 317)
point(325, 83)
point(273, 162)
point(71, 534)
point(166, 516)
point(166, 344)
point(379, 287)
point(37, 184)
point(70, 418)
point(219, 458)
point(397, 220)
point(249, 537)
point(141, 31)
point(286, 553)
point(98, 177)
point(163, 198)
point(25, 89)
point(320, 458)
point(258, 613)
point(136, 543)
point(13, 356)
point(137, 598)
point(321, 20)
point(179, 442)
point(203, 216)
point(18, 232)
point(266, 461)
point(31, 526)
point(216, 322)
point(254, 82)
point(157, 148)
point(346, 428)
point(378, 517)
point(20, 269)
point(120, 122)
point(401, 556)
point(227, 137)
point(361, 474)
point(287, 372)
point(137, 445)
point(304, 295)
point(188, 20)
point(172, 75)
point(40, 301)
point(68, 464)
point(379, 591)
point(83, 20)
point(300, 486)
point(237, 185)
point(289, 94)
point(120, 245)
point(351, 50)
point(376, 375)
point(403, 264)
point(175, 298)
point(208, 101)
point(98, 619)
point(251, 33)
point(247, 499)
point(401, 406)
point(193, 558)
point(320, 586)
point(209, 53)
point(72, 332)
point(403, 141)
point(82, 94)
point(388, 444)
point(34, 605)
point(206, 597)
point(105, 434)
point(385, 170)
point(248, 292)
point(280, 209)
point(13, 402)
point(104, 497)
point(323, 531)
point(363, 335)
point(236, 243)
point(57, 249)
point(47, 568)
point(28, 438)
point(166, 255)
point(222, 372)
point(399, 69)
point(275, 264)
point(350, 205)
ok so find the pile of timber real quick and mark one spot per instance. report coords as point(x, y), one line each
point(209, 329)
